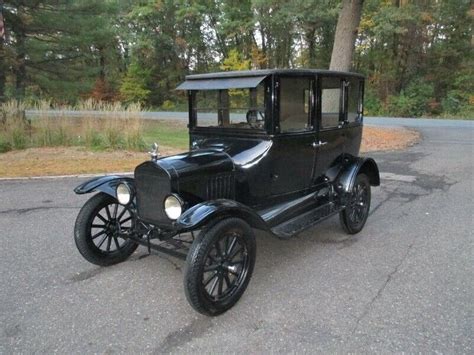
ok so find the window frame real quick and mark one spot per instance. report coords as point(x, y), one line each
point(265, 131)
point(312, 104)
point(319, 102)
point(360, 95)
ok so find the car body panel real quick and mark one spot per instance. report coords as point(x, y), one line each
point(202, 213)
point(107, 184)
point(358, 165)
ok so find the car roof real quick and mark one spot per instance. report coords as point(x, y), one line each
point(263, 72)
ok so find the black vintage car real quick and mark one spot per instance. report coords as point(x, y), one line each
point(275, 150)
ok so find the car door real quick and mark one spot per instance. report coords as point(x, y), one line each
point(292, 153)
point(329, 146)
point(353, 94)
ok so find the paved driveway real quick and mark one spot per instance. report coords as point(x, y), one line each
point(405, 283)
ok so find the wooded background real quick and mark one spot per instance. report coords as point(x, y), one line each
point(417, 54)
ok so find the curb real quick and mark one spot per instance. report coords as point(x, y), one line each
point(52, 177)
point(383, 175)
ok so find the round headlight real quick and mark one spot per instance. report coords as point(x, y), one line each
point(173, 207)
point(124, 195)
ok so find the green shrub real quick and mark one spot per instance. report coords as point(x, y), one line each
point(372, 104)
point(412, 102)
point(402, 106)
point(113, 138)
point(460, 99)
point(453, 102)
point(19, 138)
point(93, 139)
point(134, 87)
point(135, 141)
point(5, 146)
point(168, 105)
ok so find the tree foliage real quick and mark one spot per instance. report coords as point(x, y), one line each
point(416, 54)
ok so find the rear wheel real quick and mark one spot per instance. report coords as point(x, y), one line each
point(219, 266)
point(98, 227)
point(354, 216)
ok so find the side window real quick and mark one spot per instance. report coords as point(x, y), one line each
point(353, 100)
point(295, 104)
point(330, 102)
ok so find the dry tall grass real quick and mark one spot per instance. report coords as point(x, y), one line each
point(15, 129)
point(117, 127)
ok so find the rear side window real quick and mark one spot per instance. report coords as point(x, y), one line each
point(295, 104)
point(330, 102)
point(354, 100)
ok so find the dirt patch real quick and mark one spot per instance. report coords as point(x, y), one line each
point(70, 161)
point(74, 160)
point(378, 138)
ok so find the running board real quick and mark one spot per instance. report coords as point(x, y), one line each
point(170, 251)
point(297, 224)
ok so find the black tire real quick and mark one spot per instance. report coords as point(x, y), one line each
point(96, 231)
point(354, 216)
point(223, 255)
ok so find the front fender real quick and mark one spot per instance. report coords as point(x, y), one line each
point(347, 177)
point(202, 213)
point(106, 184)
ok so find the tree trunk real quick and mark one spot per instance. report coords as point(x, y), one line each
point(3, 66)
point(21, 67)
point(20, 70)
point(309, 36)
point(346, 33)
point(3, 70)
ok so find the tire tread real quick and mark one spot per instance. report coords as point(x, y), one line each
point(197, 255)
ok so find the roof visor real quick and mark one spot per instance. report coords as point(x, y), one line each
point(221, 84)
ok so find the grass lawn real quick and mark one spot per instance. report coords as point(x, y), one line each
point(171, 134)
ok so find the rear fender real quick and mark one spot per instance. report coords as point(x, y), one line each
point(106, 184)
point(367, 166)
point(202, 213)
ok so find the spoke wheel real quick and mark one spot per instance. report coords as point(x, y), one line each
point(354, 216)
point(98, 227)
point(226, 266)
point(219, 266)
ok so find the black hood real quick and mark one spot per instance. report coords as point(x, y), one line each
point(208, 161)
point(244, 152)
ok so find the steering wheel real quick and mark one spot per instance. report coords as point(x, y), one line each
point(255, 118)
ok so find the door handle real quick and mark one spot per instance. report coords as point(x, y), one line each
point(319, 144)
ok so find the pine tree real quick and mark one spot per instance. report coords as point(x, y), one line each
point(60, 47)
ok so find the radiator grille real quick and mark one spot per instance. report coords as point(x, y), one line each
point(152, 185)
point(220, 186)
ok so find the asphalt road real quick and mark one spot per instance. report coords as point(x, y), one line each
point(405, 283)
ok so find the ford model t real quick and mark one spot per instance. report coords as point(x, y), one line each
point(275, 150)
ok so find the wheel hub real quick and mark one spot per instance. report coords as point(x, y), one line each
point(231, 268)
point(224, 266)
point(113, 227)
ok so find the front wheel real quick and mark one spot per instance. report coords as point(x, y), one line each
point(219, 266)
point(98, 227)
point(354, 216)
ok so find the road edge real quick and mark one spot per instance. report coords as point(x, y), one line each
point(52, 177)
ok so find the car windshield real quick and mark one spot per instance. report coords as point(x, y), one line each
point(232, 108)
